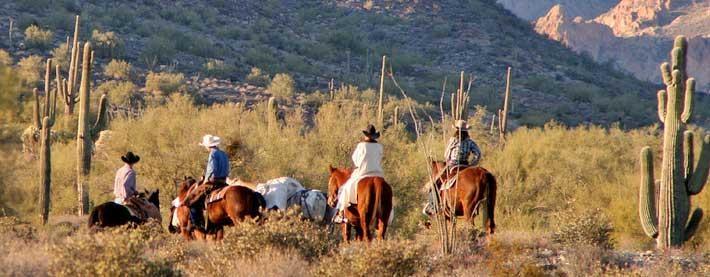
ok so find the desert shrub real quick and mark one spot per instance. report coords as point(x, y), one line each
point(584, 228)
point(61, 56)
point(116, 252)
point(164, 83)
point(5, 59)
point(283, 231)
point(119, 92)
point(217, 68)
point(10, 90)
point(17, 229)
point(35, 37)
point(107, 44)
point(30, 69)
point(119, 70)
point(258, 77)
point(387, 258)
point(282, 85)
point(158, 49)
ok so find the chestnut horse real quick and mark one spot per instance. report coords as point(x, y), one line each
point(238, 203)
point(374, 202)
point(474, 185)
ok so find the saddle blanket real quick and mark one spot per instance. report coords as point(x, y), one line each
point(217, 194)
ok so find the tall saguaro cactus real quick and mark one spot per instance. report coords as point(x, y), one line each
point(86, 135)
point(503, 113)
point(69, 93)
point(45, 165)
point(666, 218)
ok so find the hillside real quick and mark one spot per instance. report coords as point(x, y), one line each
point(317, 41)
point(631, 34)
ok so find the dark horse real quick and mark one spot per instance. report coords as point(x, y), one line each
point(374, 202)
point(473, 186)
point(111, 214)
point(238, 203)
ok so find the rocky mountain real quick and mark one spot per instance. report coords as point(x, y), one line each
point(533, 9)
point(426, 41)
point(634, 35)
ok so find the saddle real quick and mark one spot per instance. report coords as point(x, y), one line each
point(217, 194)
point(142, 209)
point(451, 176)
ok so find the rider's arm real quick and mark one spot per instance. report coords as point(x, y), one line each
point(211, 165)
point(359, 154)
point(130, 184)
point(475, 151)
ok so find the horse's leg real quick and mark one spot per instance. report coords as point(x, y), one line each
point(346, 232)
point(490, 206)
point(381, 228)
point(219, 235)
point(365, 217)
point(358, 232)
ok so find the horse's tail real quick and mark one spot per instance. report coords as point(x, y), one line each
point(379, 190)
point(491, 202)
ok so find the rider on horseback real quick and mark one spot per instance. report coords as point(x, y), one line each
point(458, 152)
point(215, 177)
point(367, 158)
point(124, 185)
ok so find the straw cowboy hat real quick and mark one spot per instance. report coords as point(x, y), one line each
point(210, 141)
point(371, 132)
point(461, 124)
point(130, 158)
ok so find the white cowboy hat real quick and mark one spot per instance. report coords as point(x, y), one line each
point(461, 124)
point(210, 141)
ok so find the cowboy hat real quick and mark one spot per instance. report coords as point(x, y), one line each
point(371, 132)
point(461, 124)
point(210, 141)
point(130, 158)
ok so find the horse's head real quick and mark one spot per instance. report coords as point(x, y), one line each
point(154, 198)
point(184, 186)
point(338, 177)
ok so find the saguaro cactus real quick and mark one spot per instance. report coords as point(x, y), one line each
point(86, 135)
point(69, 92)
point(503, 113)
point(45, 166)
point(667, 221)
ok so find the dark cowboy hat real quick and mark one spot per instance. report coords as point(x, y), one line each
point(371, 132)
point(130, 158)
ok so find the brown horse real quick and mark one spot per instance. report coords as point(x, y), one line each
point(473, 186)
point(238, 203)
point(374, 202)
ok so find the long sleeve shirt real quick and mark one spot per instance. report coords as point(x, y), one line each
point(458, 152)
point(217, 165)
point(367, 157)
point(124, 184)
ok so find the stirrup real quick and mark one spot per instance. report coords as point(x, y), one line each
point(340, 218)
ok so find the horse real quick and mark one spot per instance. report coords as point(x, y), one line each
point(238, 203)
point(374, 204)
point(473, 186)
point(111, 214)
point(285, 192)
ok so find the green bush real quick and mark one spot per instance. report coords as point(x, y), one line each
point(158, 50)
point(283, 231)
point(61, 55)
point(119, 92)
point(584, 228)
point(118, 70)
point(282, 86)
point(164, 83)
point(218, 68)
point(116, 252)
point(35, 37)
point(5, 59)
point(30, 69)
point(387, 258)
point(107, 44)
point(258, 77)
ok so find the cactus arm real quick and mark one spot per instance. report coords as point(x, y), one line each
point(678, 54)
point(700, 175)
point(688, 156)
point(102, 118)
point(647, 197)
point(47, 93)
point(688, 109)
point(35, 115)
point(662, 105)
point(666, 73)
point(693, 223)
